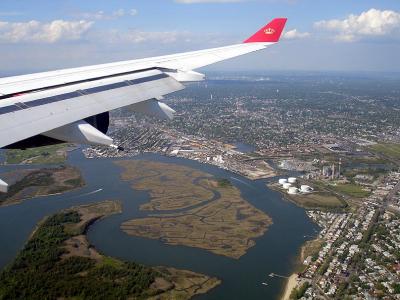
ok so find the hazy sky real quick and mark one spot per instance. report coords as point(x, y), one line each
point(349, 35)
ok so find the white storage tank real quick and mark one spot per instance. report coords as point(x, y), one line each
point(292, 179)
point(293, 190)
point(282, 181)
point(306, 189)
point(286, 185)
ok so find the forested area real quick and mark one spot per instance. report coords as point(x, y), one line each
point(39, 272)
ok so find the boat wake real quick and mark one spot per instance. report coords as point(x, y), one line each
point(89, 193)
point(244, 182)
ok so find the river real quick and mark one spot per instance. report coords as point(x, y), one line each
point(276, 251)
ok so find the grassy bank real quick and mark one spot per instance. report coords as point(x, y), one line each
point(53, 154)
point(350, 189)
point(387, 149)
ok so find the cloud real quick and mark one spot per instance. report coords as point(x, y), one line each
point(294, 34)
point(139, 36)
point(101, 15)
point(369, 24)
point(37, 32)
point(136, 36)
point(60, 31)
point(207, 1)
point(133, 12)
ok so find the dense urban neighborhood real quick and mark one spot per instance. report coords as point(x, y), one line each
point(360, 250)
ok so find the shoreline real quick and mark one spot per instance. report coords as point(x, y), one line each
point(274, 187)
point(31, 189)
point(273, 172)
point(293, 280)
point(291, 283)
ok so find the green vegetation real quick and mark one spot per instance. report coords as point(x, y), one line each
point(299, 292)
point(312, 248)
point(318, 200)
point(375, 172)
point(370, 160)
point(389, 150)
point(39, 272)
point(342, 290)
point(352, 190)
point(74, 181)
point(53, 154)
point(371, 229)
point(39, 182)
point(321, 199)
point(223, 182)
point(348, 189)
point(36, 178)
point(59, 263)
point(322, 269)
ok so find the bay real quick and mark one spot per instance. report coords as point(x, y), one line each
point(275, 252)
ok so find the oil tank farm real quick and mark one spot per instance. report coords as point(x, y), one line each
point(306, 188)
point(286, 185)
point(282, 181)
point(293, 190)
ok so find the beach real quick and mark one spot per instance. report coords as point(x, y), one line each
point(290, 285)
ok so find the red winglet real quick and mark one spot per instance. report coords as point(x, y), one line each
point(269, 33)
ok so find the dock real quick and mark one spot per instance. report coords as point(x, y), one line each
point(277, 275)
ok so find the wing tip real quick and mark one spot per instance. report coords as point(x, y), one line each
point(269, 33)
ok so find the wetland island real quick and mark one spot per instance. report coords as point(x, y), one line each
point(193, 208)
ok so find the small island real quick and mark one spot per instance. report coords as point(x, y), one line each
point(30, 183)
point(198, 210)
point(59, 263)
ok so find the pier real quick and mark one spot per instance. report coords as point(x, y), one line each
point(277, 275)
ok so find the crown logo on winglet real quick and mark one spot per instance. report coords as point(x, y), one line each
point(269, 31)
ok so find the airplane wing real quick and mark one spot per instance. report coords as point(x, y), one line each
point(59, 104)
